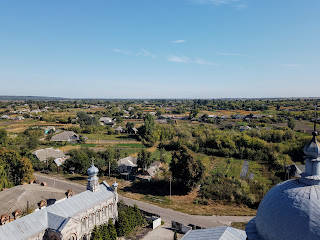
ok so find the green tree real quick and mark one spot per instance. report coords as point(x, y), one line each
point(144, 159)
point(122, 224)
point(4, 182)
point(3, 136)
point(112, 230)
point(95, 234)
point(129, 126)
point(186, 168)
point(291, 123)
point(147, 131)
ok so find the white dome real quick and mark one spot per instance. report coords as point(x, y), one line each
point(92, 170)
point(290, 210)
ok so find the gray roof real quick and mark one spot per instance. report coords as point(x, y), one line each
point(46, 153)
point(106, 119)
point(218, 233)
point(290, 210)
point(16, 198)
point(55, 216)
point(65, 137)
point(128, 161)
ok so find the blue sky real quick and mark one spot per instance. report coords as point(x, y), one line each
point(160, 48)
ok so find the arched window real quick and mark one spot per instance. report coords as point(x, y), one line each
point(104, 212)
point(83, 224)
point(98, 216)
point(91, 220)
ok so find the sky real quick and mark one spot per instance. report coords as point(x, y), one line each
point(160, 48)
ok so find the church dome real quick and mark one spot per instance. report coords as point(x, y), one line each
point(290, 210)
point(312, 148)
point(92, 170)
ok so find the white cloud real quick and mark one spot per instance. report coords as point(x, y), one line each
point(179, 41)
point(231, 54)
point(291, 65)
point(184, 59)
point(173, 58)
point(121, 51)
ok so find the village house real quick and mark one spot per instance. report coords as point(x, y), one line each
point(120, 130)
point(243, 128)
point(5, 117)
point(127, 165)
point(48, 128)
point(150, 172)
point(106, 121)
point(133, 130)
point(19, 118)
point(45, 154)
point(67, 136)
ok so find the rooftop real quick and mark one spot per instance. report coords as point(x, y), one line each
point(16, 198)
point(218, 233)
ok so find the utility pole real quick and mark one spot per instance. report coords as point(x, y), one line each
point(109, 168)
point(170, 188)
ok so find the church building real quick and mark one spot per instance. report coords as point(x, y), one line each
point(69, 219)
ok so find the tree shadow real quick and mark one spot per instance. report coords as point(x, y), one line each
point(159, 188)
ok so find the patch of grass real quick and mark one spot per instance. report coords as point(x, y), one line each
point(228, 166)
point(239, 225)
point(84, 144)
point(157, 199)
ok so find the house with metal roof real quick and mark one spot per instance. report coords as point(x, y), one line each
point(127, 165)
point(47, 153)
point(72, 218)
point(67, 136)
point(218, 233)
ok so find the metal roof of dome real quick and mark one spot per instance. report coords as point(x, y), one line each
point(92, 170)
point(312, 148)
point(290, 210)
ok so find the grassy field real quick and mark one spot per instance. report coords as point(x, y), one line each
point(228, 166)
